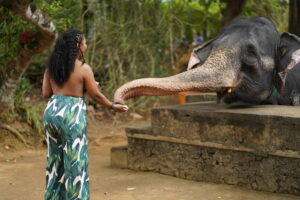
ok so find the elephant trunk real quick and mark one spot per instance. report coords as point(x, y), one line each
point(214, 75)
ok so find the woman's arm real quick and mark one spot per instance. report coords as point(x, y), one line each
point(91, 87)
point(47, 90)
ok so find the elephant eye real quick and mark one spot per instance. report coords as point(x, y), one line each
point(251, 50)
point(250, 58)
point(250, 63)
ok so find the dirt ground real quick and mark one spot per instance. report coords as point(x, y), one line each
point(22, 175)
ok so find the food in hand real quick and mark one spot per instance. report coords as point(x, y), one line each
point(125, 107)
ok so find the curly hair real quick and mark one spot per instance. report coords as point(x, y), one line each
point(61, 61)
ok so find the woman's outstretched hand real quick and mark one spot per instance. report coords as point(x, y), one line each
point(119, 108)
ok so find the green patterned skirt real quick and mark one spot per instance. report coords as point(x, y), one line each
point(67, 160)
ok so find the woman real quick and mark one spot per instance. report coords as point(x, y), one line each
point(65, 80)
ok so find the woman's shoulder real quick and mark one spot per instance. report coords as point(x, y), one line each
point(82, 66)
point(86, 70)
point(86, 67)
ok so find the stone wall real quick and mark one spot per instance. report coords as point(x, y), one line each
point(257, 147)
point(259, 172)
point(264, 128)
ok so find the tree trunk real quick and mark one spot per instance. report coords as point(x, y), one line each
point(233, 9)
point(18, 65)
point(294, 17)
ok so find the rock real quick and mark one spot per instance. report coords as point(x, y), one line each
point(90, 109)
point(136, 116)
point(99, 115)
point(118, 157)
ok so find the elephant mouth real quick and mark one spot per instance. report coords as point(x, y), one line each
point(229, 90)
point(225, 91)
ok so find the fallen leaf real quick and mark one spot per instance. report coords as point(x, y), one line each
point(131, 189)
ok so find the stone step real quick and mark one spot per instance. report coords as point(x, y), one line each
point(265, 128)
point(247, 169)
point(252, 146)
point(118, 157)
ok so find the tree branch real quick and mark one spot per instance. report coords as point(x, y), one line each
point(45, 26)
point(20, 64)
point(15, 132)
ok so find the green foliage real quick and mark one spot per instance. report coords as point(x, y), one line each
point(62, 13)
point(133, 39)
point(11, 27)
point(30, 113)
point(128, 39)
point(32, 116)
point(22, 90)
point(276, 10)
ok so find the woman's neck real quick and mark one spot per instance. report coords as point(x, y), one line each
point(78, 61)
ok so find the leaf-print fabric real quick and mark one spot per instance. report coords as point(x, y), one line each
point(67, 159)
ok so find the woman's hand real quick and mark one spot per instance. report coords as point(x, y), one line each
point(119, 108)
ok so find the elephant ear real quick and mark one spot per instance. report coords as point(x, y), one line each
point(200, 54)
point(288, 56)
point(287, 37)
point(289, 43)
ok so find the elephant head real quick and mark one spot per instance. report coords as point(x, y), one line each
point(239, 65)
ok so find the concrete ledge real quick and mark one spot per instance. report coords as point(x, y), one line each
point(191, 98)
point(259, 172)
point(264, 128)
point(288, 154)
point(118, 157)
point(256, 147)
point(146, 129)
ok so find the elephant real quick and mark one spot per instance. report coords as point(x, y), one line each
point(239, 64)
point(287, 79)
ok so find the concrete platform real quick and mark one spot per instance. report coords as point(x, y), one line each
point(257, 147)
point(192, 98)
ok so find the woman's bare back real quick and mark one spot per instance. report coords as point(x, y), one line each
point(82, 78)
point(69, 48)
point(74, 86)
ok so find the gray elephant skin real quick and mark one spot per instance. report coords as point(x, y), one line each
point(248, 62)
